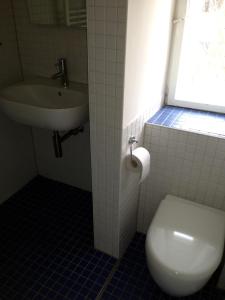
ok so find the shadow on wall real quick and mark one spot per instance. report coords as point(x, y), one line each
point(17, 157)
point(74, 167)
point(16, 160)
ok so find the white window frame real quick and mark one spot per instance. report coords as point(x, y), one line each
point(173, 65)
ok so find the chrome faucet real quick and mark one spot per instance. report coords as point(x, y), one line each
point(62, 72)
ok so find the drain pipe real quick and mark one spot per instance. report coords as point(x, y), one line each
point(58, 139)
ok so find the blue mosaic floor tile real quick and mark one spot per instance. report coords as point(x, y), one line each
point(46, 244)
point(46, 251)
point(132, 279)
point(190, 119)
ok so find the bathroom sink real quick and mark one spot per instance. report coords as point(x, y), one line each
point(43, 103)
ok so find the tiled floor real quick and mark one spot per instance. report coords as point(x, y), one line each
point(46, 251)
point(132, 280)
point(46, 245)
point(190, 119)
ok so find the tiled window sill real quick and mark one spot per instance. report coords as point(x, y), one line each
point(192, 120)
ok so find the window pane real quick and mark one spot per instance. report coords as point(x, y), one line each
point(201, 73)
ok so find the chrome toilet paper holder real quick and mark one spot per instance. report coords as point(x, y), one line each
point(132, 140)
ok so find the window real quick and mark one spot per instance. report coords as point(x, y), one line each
point(196, 76)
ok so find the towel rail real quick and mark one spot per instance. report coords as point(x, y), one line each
point(75, 17)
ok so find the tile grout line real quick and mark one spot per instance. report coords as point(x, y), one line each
point(108, 280)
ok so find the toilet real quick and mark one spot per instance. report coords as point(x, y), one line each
point(184, 245)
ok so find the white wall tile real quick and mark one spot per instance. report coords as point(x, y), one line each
point(74, 167)
point(17, 159)
point(40, 47)
point(115, 190)
point(188, 165)
point(106, 101)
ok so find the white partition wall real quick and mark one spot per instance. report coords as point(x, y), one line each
point(120, 35)
point(106, 46)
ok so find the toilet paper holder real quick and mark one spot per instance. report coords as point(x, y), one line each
point(132, 140)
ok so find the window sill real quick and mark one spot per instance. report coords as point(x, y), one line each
point(192, 120)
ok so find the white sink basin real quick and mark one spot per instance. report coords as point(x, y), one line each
point(43, 103)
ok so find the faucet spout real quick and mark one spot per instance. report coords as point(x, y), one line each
point(57, 75)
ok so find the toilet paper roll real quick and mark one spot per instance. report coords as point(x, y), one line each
point(140, 162)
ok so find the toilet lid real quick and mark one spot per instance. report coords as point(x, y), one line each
point(187, 237)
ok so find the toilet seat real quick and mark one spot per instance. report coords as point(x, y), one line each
point(184, 244)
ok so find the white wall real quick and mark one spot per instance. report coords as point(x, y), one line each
point(147, 49)
point(74, 167)
point(17, 165)
point(40, 46)
point(106, 48)
point(184, 164)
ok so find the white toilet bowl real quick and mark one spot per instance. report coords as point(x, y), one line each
point(184, 245)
